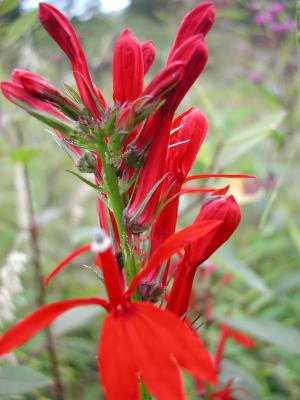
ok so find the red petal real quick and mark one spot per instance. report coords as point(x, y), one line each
point(191, 190)
point(66, 261)
point(198, 21)
point(221, 192)
point(40, 319)
point(238, 337)
point(194, 53)
point(148, 52)
point(172, 336)
point(115, 361)
point(165, 79)
point(172, 245)
point(205, 176)
point(158, 367)
point(62, 31)
point(128, 69)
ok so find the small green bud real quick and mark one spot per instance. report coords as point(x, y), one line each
point(87, 162)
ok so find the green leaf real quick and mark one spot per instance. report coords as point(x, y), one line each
point(238, 145)
point(267, 330)
point(251, 278)
point(18, 28)
point(290, 282)
point(19, 379)
point(24, 155)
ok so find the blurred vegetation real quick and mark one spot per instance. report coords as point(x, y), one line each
point(249, 92)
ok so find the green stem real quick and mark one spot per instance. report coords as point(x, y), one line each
point(117, 207)
point(144, 393)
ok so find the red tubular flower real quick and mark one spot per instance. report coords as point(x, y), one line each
point(140, 212)
point(128, 68)
point(61, 30)
point(165, 80)
point(136, 338)
point(198, 21)
point(180, 159)
point(195, 54)
point(148, 52)
point(223, 208)
point(16, 93)
point(226, 333)
point(39, 87)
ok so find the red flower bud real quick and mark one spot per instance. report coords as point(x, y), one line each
point(148, 52)
point(126, 118)
point(128, 68)
point(224, 208)
point(198, 21)
point(61, 30)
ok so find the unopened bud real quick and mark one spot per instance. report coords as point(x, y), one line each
point(126, 118)
point(87, 162)
point(150, 291)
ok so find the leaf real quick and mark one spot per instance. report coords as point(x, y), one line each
point(24, 155)
point(251, 278)
point(18, 28)
point(236, 146)
point(19, 379)
point(290, 282)
point(74, 319)
point(267, 330)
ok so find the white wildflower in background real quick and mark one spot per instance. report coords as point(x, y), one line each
point(10, 284)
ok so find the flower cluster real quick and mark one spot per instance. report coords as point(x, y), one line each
point(273, 18)
point(140, 154)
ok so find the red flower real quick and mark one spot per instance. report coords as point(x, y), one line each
point(148, 52)
point(39, 87)
point(128, 68)
point(138, 341)
point(193, 53)
point(198, 21)
point(226, 333)
point(223, 208)
point(180, 158)
point(61, 30)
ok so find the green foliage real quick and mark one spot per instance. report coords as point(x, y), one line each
point(18, 379)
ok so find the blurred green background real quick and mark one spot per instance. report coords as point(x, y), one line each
point(249, 92)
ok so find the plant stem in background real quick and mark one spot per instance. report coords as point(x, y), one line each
point(39, 277)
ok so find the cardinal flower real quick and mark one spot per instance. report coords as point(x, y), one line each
point(224, 208)
point(138, 340)
point(189, 47)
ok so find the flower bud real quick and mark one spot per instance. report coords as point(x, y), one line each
point(126, 118)
point(224, 208)
point(87, 162)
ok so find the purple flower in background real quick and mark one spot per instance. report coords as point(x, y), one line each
point(276, 7)
point(256, 77)
point(263, 18)
point(283, 27)
point(273, 18)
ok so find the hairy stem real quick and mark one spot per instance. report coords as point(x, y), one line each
point(117, 207)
